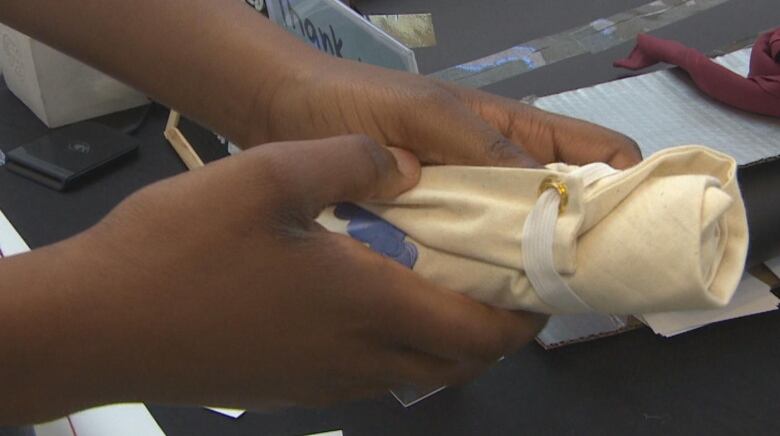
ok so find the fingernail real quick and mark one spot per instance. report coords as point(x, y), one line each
point(407, 163)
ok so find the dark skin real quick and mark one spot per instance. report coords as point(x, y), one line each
point(439, 122)
point(217, 286)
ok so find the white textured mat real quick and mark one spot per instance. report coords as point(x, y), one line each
point(665, 109)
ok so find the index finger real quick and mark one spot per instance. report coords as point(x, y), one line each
point(551, 137)
point(580, 142)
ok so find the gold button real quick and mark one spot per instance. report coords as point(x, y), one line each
point(553, 182)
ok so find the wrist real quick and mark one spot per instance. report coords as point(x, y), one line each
point(56, 344)
point(289, 95)
point(287, 72)
point(110, 318)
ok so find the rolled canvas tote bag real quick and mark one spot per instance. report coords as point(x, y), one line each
point(668, 234)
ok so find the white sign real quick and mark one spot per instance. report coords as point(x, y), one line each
point(334, 28)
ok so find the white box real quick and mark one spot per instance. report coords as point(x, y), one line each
point(59, 89)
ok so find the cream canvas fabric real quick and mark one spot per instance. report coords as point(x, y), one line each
point(668, 234)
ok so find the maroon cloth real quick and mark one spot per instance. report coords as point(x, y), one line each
point(758, 93)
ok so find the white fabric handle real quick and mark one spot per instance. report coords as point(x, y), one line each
point(538, 239)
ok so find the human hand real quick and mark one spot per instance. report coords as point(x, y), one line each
point(440, 122)
point(218, 287)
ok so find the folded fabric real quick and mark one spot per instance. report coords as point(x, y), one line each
point(668, 234)
point(758, 93)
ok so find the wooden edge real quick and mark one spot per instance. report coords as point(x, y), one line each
point(173, 120)
point(180, 145)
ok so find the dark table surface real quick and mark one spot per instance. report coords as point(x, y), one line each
point(720, 379)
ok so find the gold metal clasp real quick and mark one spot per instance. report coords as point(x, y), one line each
point(553, 182)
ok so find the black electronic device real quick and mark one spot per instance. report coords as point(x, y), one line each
point(67, 154)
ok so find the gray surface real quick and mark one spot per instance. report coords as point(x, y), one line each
point(466, 30)
point(588, 38)
point(707, 31)
point(664, 108)
point(722, 379)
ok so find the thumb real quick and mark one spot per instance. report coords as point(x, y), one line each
point(322, 172)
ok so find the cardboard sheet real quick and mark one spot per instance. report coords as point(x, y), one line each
point(564, 329)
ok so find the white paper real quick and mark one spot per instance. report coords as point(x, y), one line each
point(752, 297)
point(60, 427)
point(115, 420)
point(665, 109)
point(329, 433)
point(10, 241)
point(233, 413)
point(774, 265)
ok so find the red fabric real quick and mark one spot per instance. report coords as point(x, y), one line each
point(758, 93)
